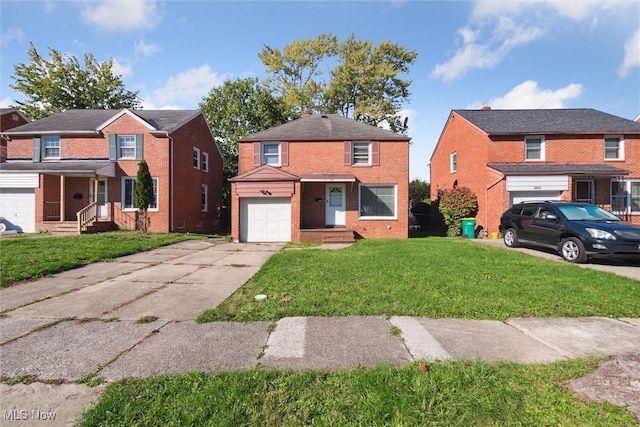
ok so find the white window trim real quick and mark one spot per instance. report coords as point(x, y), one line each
point(395, 201)
point(353, 153)
point(205, 163)
point(627, 208)
point(119, 148)
point(44, 148)
point(453, 162)
point(122, 185)
point(204, 190)
point(542, 148)
point(620, 157)
point(263, 157)
point(196, 158)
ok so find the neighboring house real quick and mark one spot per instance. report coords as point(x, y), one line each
point(9, 119)
point(510, 156)
point(321, 178)
point(83, 164)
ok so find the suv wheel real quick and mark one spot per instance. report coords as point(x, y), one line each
point(510, 238)
point(572, 250)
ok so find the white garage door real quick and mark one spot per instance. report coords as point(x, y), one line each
point(526, 196)
point(265, 220)
point(18, 208)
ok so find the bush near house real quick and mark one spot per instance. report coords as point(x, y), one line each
point(455, 204)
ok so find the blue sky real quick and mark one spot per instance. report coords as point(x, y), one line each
point(508, 54)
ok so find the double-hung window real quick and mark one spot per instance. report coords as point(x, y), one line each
point(196, 158)
point(204, 204)
point(453, 162)
point(361, 153)
point(377, 201)
point(534, 148)
point(625, 197)
point(51, 147)
point(271, 154)
point(205, 162)
point(127, 146)
point(613, 148)
point(128, 191)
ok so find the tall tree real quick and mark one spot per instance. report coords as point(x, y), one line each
point(296, 70)
point(419, 191)
point(239, 108)
point(366, 83)
point(62, 83)
point(143, 195)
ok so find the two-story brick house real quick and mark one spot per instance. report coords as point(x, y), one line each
point(321, 178)
point(509, 156)
point(84, 162)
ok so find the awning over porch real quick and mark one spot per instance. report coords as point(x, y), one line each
point(328, 177)
point(558, 169)
point(78, 168)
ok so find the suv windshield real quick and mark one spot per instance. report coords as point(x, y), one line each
point(586, 213)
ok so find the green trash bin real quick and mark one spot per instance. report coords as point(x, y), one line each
point(469, 227)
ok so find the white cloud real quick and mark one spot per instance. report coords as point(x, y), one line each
point(576, 10)
point(505, 37)
point(190, 85)
point(120, 69)
point(12, 33)
point(122, 15)
point(143, 49)
point(528, 95)
point(6, 102)
point(631, 56)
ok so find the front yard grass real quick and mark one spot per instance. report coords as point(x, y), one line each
point(29, 257)
point(430, 277)
point(438, 394)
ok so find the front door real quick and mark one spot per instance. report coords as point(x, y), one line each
point(336, 205)
point(102, 196)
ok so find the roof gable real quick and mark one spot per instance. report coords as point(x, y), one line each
point(549, 121)
point(266, 173)
point(325, 127)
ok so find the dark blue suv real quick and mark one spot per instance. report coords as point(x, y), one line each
point(577, 231)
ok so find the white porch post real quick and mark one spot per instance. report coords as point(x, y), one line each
point(96, 181)
point(62, 207)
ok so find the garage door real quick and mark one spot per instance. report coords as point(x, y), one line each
point(265, 220)
point(522, 196)
point(17, 207)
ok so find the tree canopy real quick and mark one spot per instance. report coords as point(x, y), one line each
point(62, 83)
point(364, 80)
point(239, 108)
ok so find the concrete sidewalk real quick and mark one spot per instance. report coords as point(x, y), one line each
point(39, 338)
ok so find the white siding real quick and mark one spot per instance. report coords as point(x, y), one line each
point(538, 183)
point(19, 180)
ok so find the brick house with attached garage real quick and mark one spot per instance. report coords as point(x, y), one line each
point(77, 170)
point(509, 156)
point(321, 178)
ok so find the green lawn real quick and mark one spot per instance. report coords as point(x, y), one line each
point(431, 277)
point(438, 394)
point(28, 257)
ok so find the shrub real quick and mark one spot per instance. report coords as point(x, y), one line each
point(455, 204)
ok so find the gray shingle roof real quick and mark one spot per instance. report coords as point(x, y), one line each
point(557, 169)
point(325, 127)
point(561, 121)
point(76, 121)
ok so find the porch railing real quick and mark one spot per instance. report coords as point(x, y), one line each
point(87, 216)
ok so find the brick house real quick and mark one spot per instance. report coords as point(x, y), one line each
point(77, 170)
point(321, 178)
point(9, 119)
point(509, 156)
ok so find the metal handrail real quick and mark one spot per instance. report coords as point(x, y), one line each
point(87, 216)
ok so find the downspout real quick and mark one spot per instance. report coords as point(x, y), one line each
point(501, 176)
point(171, 185)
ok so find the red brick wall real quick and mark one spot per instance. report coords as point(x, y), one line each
point(327, 157)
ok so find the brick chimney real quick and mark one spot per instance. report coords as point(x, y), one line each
point(485, 107)
point(306, 112)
